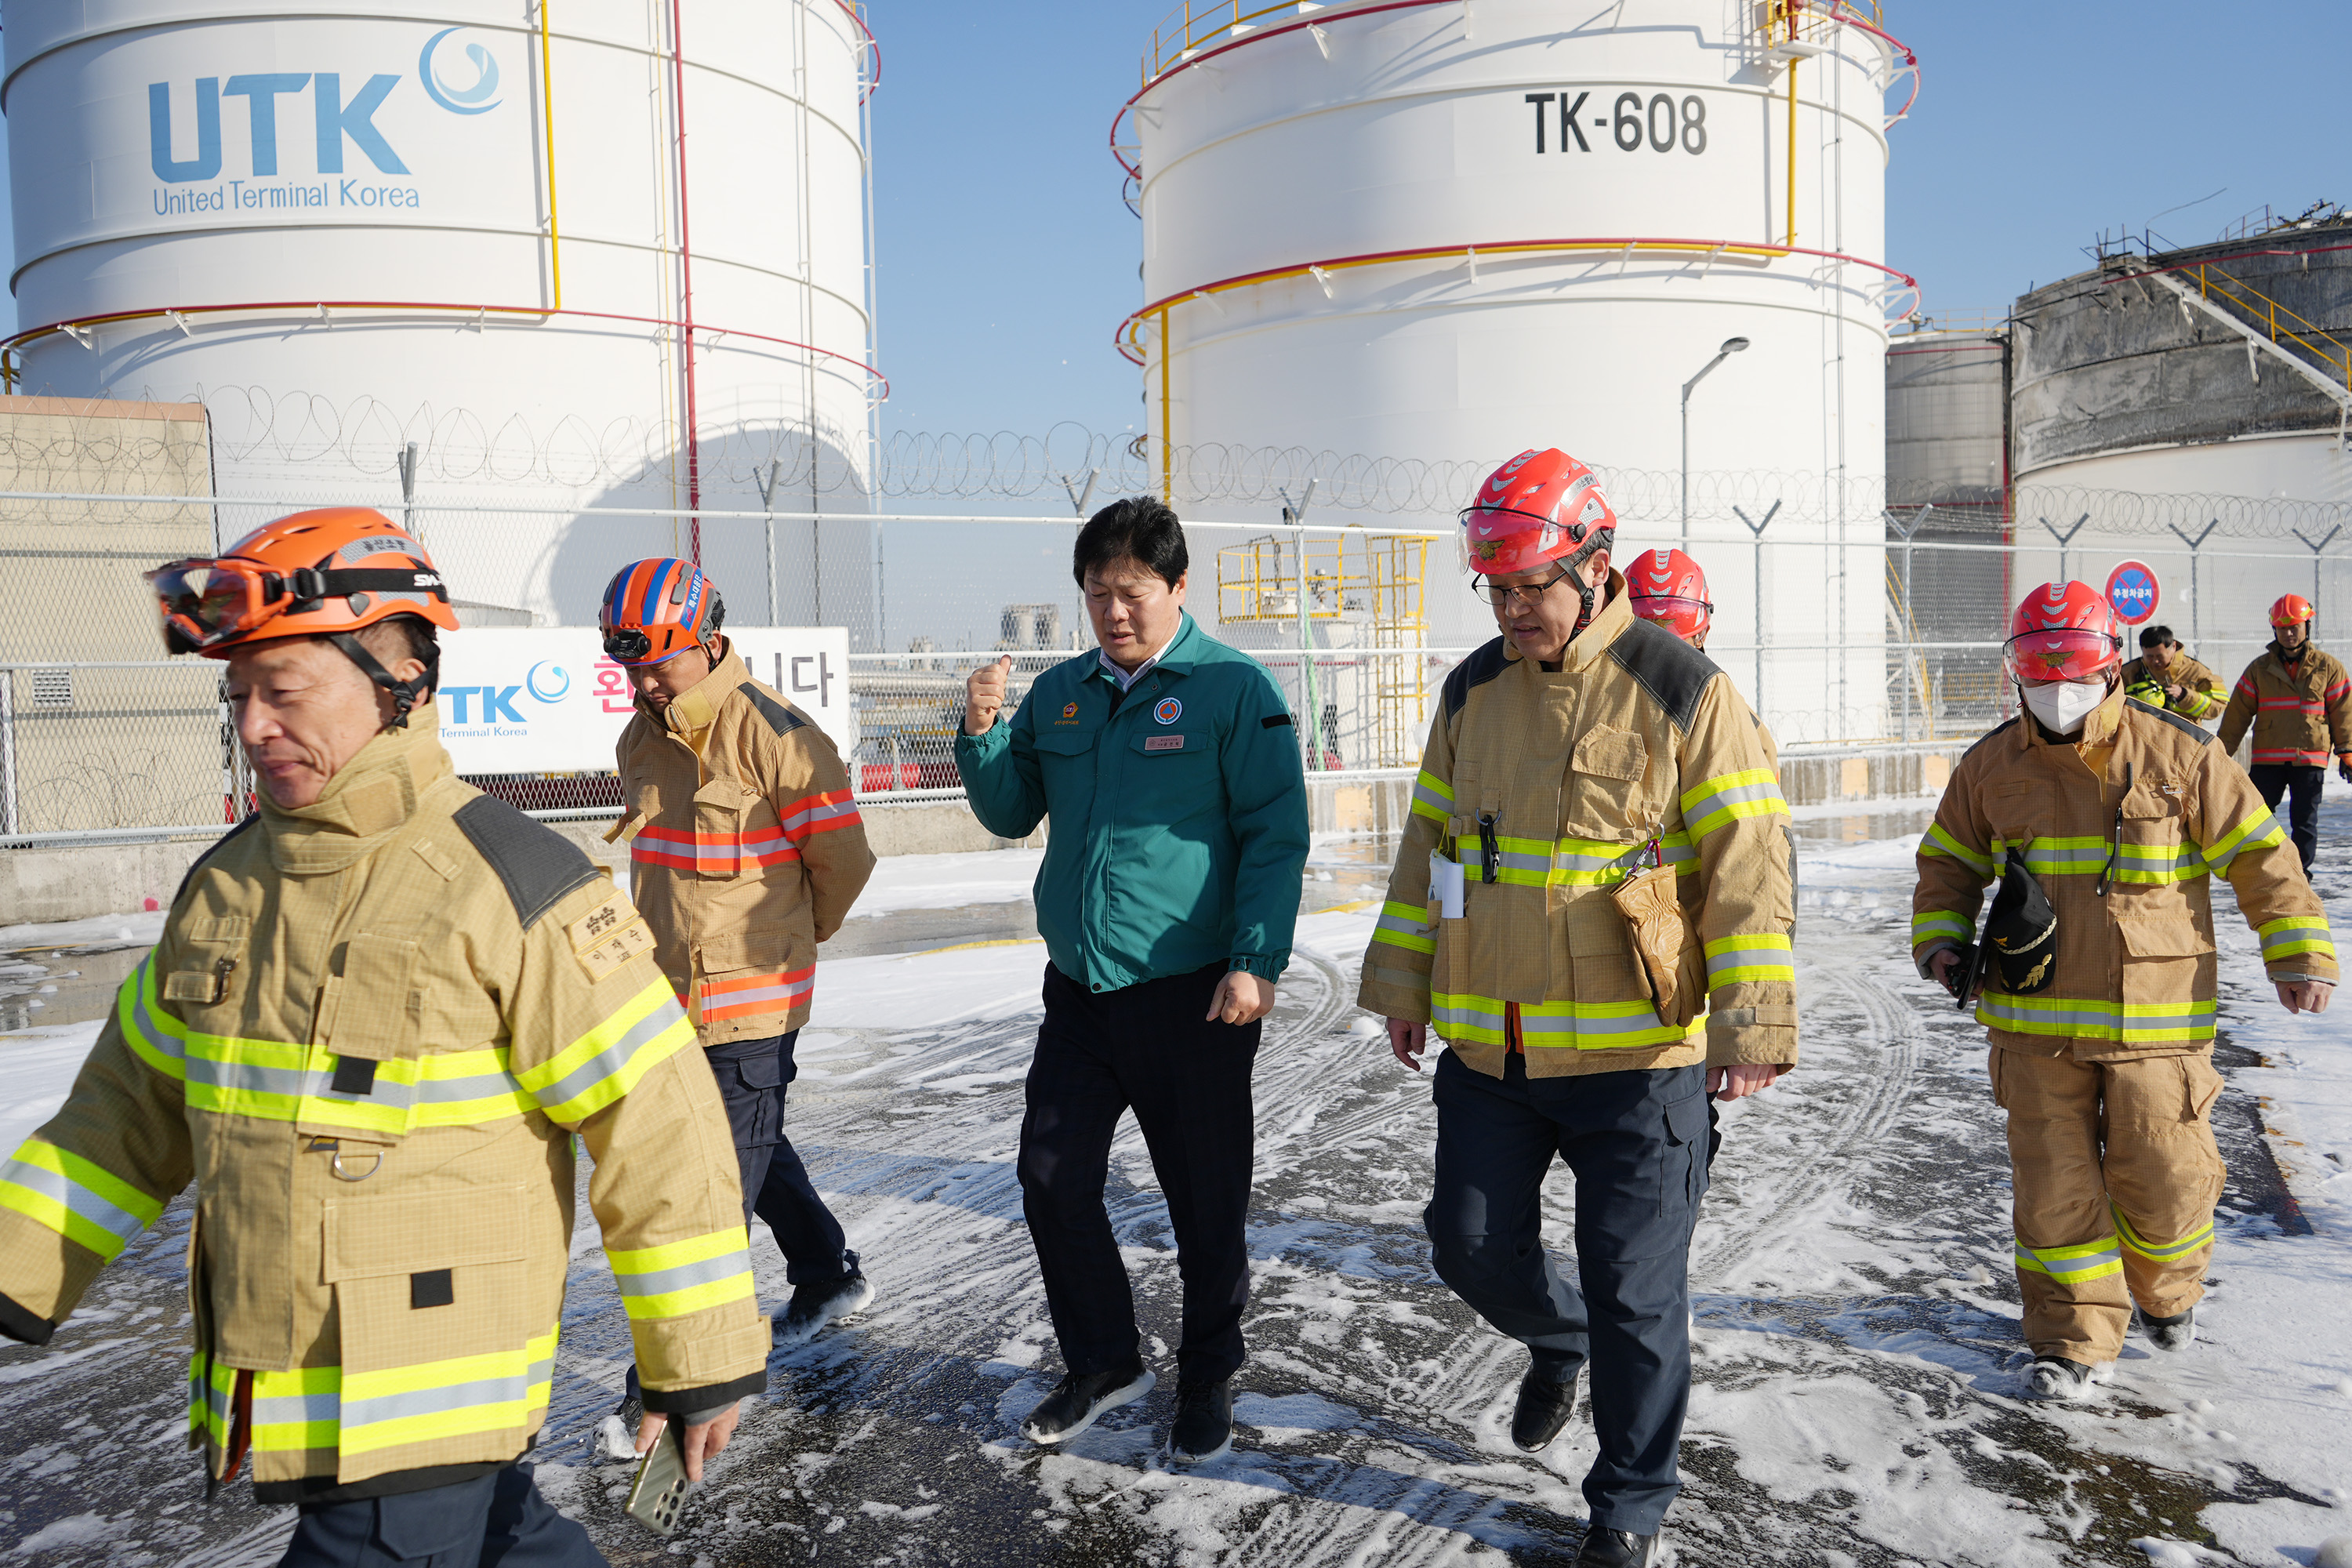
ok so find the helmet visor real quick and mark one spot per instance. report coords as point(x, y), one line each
point(2065, 653)
point(206, 602)
point(1675, 609)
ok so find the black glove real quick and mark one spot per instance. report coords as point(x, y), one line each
point(2344, 768)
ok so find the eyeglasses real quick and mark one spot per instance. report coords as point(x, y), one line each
point(1499, 595)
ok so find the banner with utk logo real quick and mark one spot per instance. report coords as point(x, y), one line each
point(547, 701)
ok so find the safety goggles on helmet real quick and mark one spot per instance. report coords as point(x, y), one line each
point(627, 645)
point(1679, 614)
point(208, 601)
point(2061, 652)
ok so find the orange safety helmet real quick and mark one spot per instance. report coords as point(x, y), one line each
point(2289, 609)
point(655, 609)
point(323, 574)
point(1670, 588)
point(2062, 631)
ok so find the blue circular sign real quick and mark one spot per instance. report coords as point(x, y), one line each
point(2132, 591)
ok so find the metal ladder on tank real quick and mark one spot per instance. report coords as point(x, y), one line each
point(2268, 328)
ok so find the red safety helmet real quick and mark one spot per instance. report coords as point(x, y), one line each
point(316, 573)
point(2062, 631)
point(1538, 506)
point(655, 610)
point(1670, 588)
point(2289, 609)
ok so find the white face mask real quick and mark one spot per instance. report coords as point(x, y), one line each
point(2063, 705)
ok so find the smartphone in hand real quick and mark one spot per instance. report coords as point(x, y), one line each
point(659, 1489)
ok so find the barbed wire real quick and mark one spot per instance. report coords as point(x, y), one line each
point(256, 436)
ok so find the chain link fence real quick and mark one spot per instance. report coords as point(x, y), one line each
point(1844, 621)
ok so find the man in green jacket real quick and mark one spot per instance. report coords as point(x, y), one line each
point(1170, 766)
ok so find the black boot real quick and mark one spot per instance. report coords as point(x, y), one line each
point(1545, 1405)
point(814, 1305)
point(1204, 1428)
point(1617, 1549)
point(1080, 1397)
point(2176, 1332)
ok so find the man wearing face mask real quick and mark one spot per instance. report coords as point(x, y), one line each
point(2122, 812)
point(2299, 701)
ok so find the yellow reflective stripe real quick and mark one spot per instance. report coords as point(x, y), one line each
point(1719, 802)
point(1940, 842)
point(1557, 1025)
point(1406, 926)
point(2097, 1018)
point(1432, 796)
point(1940, 922)
point(298, 1410)
point(2160, 1251)
point(2089, 1260)
point(84, 1203)
point(2260, 831)
point(1754, 955)
point(2292, 935)
point(606, 1062)
point(276, 1080)
point(211, 1387)
point(153, 1035)
point(681, 1276)
point(439, 1400)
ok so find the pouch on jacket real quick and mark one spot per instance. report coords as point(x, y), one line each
point(1655, 919)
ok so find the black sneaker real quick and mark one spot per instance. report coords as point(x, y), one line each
point(2056, 1377)
point(814, 1305)
point(1204, 1428)
point(616, 1438)
point(1545, 1405)
point(2176, 1332)
point(1080, 1397)
point(1616, 1549)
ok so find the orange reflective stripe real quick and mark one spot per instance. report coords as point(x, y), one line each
point(688, 851)
point(743, 995)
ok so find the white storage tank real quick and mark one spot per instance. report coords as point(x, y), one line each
point(1449, 231)
point(581, 252)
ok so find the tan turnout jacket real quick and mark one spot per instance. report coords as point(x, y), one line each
point(745, 858)
point(2135, 974)
point(2200, 690)
point(369, 1032)
point(2299, 716)
point(1571, 776)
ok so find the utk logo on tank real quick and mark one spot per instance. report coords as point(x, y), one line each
point(323, 121)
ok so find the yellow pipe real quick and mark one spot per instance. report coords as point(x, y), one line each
point(1792, 132)
point(1167, 430)
point(547, 101)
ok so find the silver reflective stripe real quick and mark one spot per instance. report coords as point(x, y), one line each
point(279, 1408)
point(251, 1078)
point(682, 1276)
point(163, 1039)
point(2111, 1253)
point(1533, 1023)
point(456, 1090)
point(612, 1057)
point(2253, 836)
point(73, 1195)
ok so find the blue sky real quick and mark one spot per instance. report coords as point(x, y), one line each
point(1006, 258)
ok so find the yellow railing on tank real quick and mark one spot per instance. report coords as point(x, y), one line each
point(1195, 25)
point(2273, 319)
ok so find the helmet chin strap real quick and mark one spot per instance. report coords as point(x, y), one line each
point(1586, 591)
point(405, 694)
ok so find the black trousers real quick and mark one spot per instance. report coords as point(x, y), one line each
point(2301, 783)
point(497, 1521)
point(1148, 1047)
point(753, 1078)
point(1638, 1145)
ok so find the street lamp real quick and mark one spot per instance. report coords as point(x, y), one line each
point(1730, 347)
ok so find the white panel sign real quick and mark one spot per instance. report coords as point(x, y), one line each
point(301, 120)
point(548, 701)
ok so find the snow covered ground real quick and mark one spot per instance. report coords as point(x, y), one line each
point(1858, 1377)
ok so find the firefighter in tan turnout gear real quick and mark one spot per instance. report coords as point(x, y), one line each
point(380, 1011)
point(746, 851)
point(2298, 700)
point(2122, 812)
point(1583, 758)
